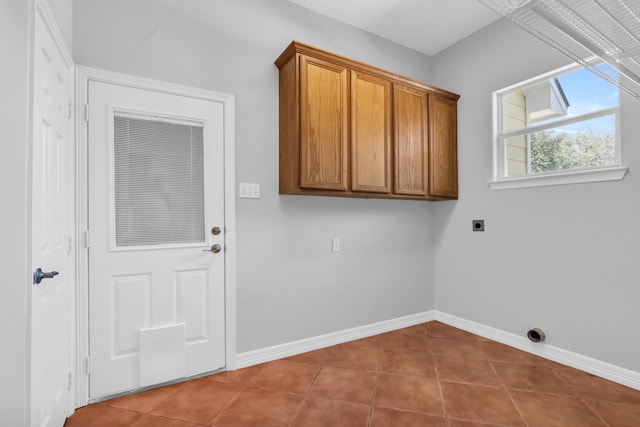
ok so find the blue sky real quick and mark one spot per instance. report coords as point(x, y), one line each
point(588, 92)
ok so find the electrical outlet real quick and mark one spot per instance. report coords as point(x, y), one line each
point(478, 224)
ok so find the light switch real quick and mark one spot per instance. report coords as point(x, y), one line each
point(335, 245)
point(248, 191)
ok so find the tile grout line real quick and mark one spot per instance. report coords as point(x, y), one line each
point(307, 393)
point(596, 413)
point(166, 398)
point(435, 368)
point(245, 386)
point(219, 414)
point(372, 403)
point(504, 386)
point(580, 397)
point(121, 409)
point(104, 402)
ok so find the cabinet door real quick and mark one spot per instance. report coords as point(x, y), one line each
point(324, 89)
point(370, 133)
point(411, 143)
point(443, 154)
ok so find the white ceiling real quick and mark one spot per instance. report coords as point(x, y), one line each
point(427, 26)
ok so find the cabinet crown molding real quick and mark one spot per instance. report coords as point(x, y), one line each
point(296, 47)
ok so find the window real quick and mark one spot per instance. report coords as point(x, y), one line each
point(159, 182)
point(558, 128)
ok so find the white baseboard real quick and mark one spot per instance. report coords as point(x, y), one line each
point(584, 363)
point(268, 354)
point(596, 367)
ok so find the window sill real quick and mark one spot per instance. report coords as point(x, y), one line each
point(614, 173)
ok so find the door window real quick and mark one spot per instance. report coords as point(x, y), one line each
point(159, 182)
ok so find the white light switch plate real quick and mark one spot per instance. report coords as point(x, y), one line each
point(248, 191)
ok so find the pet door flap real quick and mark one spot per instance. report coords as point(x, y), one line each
point(162, 354)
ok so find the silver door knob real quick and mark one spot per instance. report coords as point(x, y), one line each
point(215, 249)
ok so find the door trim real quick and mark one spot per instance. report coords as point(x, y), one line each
point(83, 76)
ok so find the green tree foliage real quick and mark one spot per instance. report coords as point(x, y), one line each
point(552, 151)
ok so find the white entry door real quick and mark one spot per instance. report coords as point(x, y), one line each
point(52, 225)
point(156, 237)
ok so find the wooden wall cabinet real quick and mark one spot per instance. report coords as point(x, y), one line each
point(353, 130)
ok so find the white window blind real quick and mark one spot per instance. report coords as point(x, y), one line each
point(159, 182)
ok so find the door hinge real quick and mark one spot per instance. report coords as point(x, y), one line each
point(88, 365)
point(70, 383)
point(70, 110)
point(70, 246)
point(86, 238)
point(86, 113)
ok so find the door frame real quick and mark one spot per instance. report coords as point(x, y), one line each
point(83, 76)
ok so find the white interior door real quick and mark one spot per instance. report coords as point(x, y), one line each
point(156, 237)
point(52, 225)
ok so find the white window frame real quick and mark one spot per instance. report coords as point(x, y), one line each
point(501, 181)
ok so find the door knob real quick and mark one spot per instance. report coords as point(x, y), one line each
point(215, 249)
point(39, 275)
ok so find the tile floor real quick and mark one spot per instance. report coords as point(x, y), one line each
point(425, 375)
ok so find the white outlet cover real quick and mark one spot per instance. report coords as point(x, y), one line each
point(248, 190)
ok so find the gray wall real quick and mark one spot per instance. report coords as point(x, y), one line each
point(290, 285)
point(14, 181)
point(563, 258)
point(63, 12)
